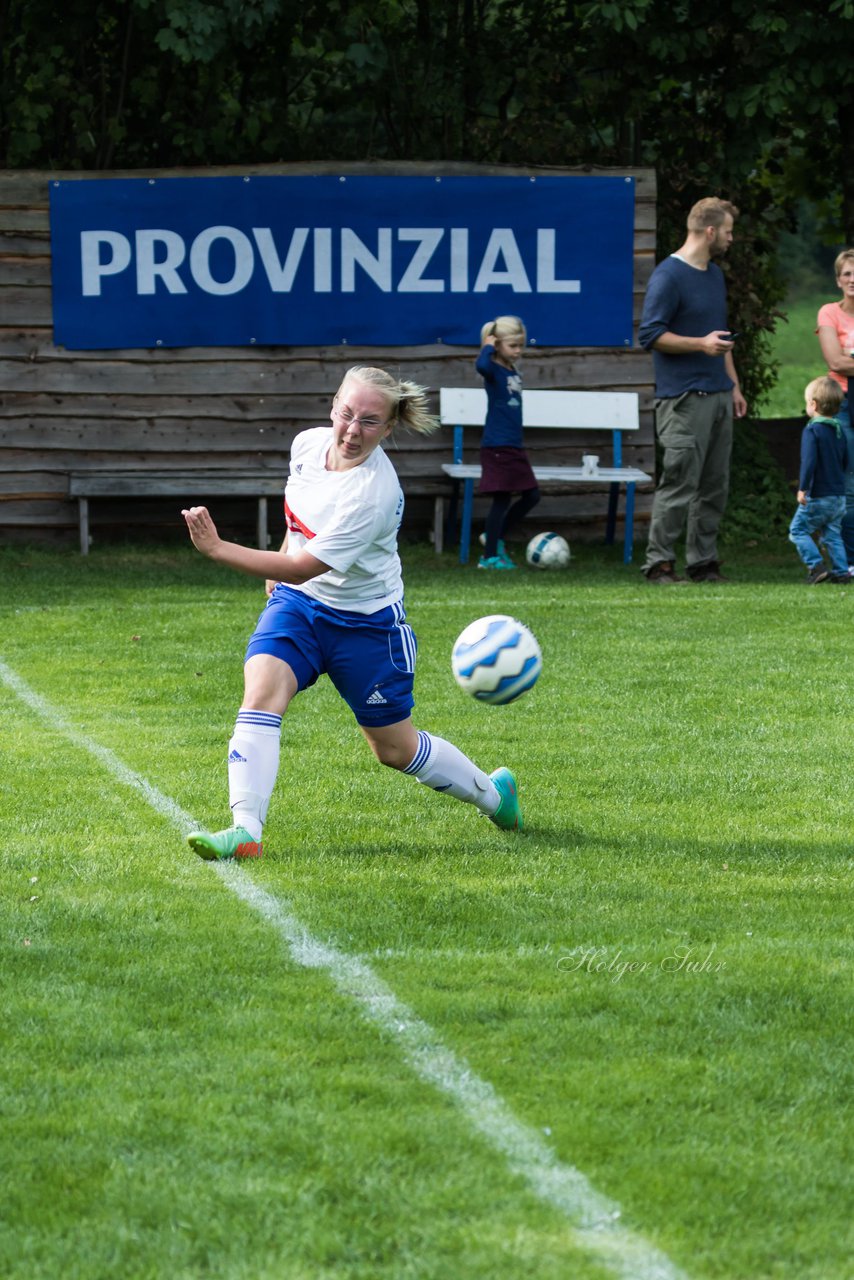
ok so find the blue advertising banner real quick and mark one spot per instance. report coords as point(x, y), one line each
point(315, 261)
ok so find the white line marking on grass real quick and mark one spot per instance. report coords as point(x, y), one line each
point(593, 1217)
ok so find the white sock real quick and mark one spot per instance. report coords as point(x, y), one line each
point(438, 764)
point(253, 763)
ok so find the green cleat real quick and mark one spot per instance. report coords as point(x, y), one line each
point(234, 842)
point(508, 815)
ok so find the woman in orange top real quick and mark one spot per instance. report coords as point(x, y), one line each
point(835, 329)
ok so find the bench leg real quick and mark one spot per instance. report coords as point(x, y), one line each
point(262, 524)
point(83, 522)
point(439, 525)
point(611, 525)
point(628, 541)
point(453, 510)
point(465, 526)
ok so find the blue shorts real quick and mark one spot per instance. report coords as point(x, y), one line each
point(369, 657)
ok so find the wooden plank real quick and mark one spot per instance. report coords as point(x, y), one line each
point(49, 434)
point(59, 433)
point(24, 246)
point(163, 483)
point(123, 378)
point(194, 411)
point(197, 413)
point(60, 462)
point(17, 340)
point(25, 219)
point(34, 513)
point(26, 307)
point(25, 272)
point(29, 188)
point(50, 469)
point(196, 419)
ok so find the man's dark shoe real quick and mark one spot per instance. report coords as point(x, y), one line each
point(818, 573)
point(708, 572)
point(842, 578)
point(662, 573)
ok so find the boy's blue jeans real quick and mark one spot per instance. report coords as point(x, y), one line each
point(824, 517)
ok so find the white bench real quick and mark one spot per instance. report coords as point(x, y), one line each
point(612, 411)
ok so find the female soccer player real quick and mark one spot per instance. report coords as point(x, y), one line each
point(336, 606)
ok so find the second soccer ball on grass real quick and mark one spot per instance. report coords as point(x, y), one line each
point(548, 551)
point(496, 659)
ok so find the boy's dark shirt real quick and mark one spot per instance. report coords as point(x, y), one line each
point(824, 459)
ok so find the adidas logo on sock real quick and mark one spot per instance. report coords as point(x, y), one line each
point(236, 758)
point(376, 699)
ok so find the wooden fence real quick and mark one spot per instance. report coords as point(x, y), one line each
point(154, 409)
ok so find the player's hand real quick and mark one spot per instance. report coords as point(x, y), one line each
point(270, 585)
point(739, 404)
point(202, 530)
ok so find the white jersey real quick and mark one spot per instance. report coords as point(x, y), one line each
point(349, 520)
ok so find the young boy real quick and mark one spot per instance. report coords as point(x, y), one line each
point(821, 491)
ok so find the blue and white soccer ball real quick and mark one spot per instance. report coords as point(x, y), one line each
point(548, 551)
point(496, 659)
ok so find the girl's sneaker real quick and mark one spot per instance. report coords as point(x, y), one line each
point(500, 553)
point(495, 562)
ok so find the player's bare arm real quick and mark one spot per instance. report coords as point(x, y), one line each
point(272, 565)
point(270, 584)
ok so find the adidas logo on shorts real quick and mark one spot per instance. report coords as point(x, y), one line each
point(376, 699)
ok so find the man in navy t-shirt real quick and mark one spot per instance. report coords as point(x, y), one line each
point(684, 324)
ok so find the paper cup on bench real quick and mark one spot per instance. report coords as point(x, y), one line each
point(590, 464)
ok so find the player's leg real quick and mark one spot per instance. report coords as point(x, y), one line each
point(371, 662)
point(253, 759)
point(440, 765)
point(253, 752)
point(281, 658)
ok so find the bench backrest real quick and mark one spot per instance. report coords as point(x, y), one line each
point(613, 411)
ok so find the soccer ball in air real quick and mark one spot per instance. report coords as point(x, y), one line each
point(496, 659)
point(548, 551)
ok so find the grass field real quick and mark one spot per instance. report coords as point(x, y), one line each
point(799, 355)
point(406, 1045)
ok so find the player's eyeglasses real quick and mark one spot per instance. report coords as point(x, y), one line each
point(348, 418)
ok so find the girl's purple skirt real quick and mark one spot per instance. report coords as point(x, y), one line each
point(505, 470)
